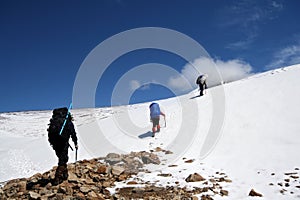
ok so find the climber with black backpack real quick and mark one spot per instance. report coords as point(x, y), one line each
point(201, 81)
point(61, 128)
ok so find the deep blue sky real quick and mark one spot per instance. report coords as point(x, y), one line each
point(43, 43)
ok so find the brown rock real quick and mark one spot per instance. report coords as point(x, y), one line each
point(85, 189)
point(80, 195)
point(72, 177)
point(106, 184)
point(158, 149)
point(62, 190)
point(290, 173)
point(282, 191)
point(113, 158)
point(22, 186)
point(224, 193)
point(117, 170)
point(152, 159)
point(253, 193)
point(194, 178)
point(168, 152)
point(59, 196)
point(92, 194)
point(34, 195)
point(122, 177)
point(132, 183)
point(102, 169)
point(189, 161)
point(206, 197)
point(287, 185)
point(164, 175)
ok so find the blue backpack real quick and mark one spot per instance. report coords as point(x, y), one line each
point(154, 110)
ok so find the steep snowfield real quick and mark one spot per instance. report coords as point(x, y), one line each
point(258, 135)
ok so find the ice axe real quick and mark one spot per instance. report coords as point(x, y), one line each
point(76, 154)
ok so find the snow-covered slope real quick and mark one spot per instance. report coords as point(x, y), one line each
point(257, 139)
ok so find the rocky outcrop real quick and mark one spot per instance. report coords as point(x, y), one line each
point(93, 179)
point(88, 179)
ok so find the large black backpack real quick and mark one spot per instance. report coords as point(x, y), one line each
point(56, 123)
point(198, 81)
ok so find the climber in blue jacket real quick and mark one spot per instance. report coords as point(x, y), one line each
point(154, 116)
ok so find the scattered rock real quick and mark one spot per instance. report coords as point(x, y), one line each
point(102, 169)
point(90, 179)
point(206, 197)
point(132, 183)
point(290, 173)
point(287, 185)
point(168, 152)
point(189, 161)
point(87, 179)
point(85, 189)
point(158, 149)
point(282, 191)
point(113, 158)
point(224, 192)
point(253, 193)
point(117, 170)
point(164, 175)
point(194, 178)
point(34, 195)
point(150, 159)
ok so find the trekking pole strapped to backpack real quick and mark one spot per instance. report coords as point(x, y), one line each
point(63, 126)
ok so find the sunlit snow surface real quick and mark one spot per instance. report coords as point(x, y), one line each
point(260, 136)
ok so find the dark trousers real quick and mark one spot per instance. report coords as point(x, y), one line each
point(62, 154)
point(202, 87)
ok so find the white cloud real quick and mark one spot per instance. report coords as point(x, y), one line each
point(242, 44)
point(287, 56)
point(247, 17)
point(145, 87)
point(134, 84)
point(229, 71)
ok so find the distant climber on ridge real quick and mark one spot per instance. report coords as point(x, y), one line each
point(60, 143)
point(201, 81)
point(155, 116)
